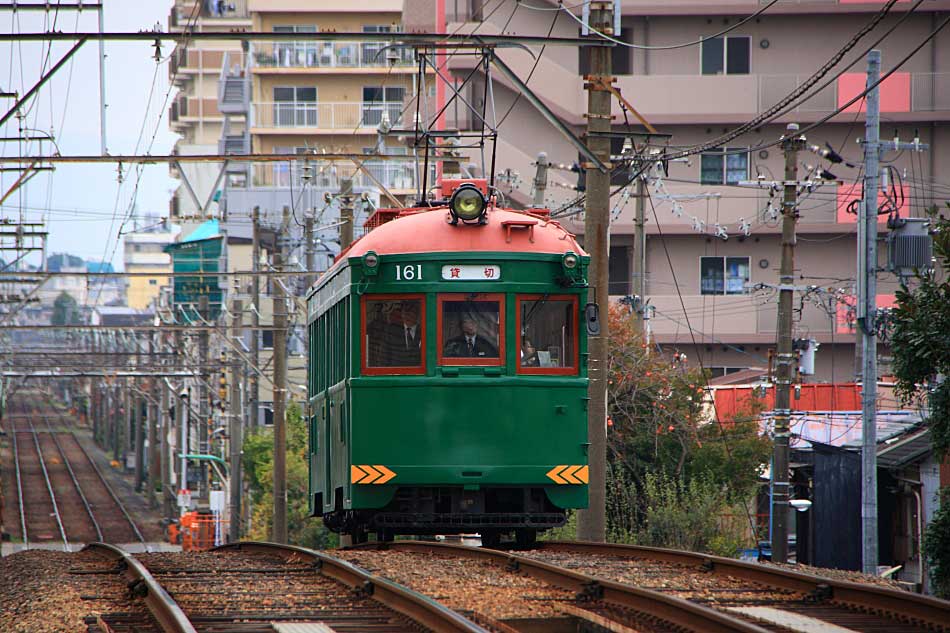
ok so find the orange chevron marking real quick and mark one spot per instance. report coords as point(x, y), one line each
point(583, 474)
point(554, 474)
point(373, 474)
point(566, 474)
point(387, 474)
point(356, 474)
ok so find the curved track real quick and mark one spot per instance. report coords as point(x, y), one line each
point(595, 601)
point(766, 594)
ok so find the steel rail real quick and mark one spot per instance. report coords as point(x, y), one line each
point(49, 487)
point(415, 606)
point(108, 488)
point(144, 585)
point(72, 475)
point(926, 610)
point(19, 487)
point(675, 611)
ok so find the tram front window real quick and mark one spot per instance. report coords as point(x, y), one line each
point(395, 333)
point(548, 333)
point(471, 331)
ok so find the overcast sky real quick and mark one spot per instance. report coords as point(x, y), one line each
point(80, 201)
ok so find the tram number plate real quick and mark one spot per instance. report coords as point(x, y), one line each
point(408, 272)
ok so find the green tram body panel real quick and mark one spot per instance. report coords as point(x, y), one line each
point(457, 425)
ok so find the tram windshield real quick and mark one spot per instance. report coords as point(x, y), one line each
point(395, 332)
point(548, 333)
point(471, 329)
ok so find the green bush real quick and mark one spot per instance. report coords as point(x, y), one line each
point(937, 547)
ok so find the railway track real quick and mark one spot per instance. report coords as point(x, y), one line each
point(61, 495)
point(771, 596)
point(247, 587)
point(747, 596)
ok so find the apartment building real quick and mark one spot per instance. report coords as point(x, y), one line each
point(197, 70)
point(306, 98)
point(144, 253)
point(697, 93)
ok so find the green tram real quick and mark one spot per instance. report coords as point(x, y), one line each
point(448, 374)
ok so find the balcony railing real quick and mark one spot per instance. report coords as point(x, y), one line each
point(323, 175)
point(315, 54)
point(289, 114)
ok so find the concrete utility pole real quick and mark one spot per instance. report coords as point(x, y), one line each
point(165, 431)
point(255, 388)
point(592, 522)
point(540, 179)
point(204, 399)
point(137, 402)
point(785, 355)
point(280, 386)
point(874, 150)
point(640, 253)
point(867, 309)
point(236, 430)
point(346, 213)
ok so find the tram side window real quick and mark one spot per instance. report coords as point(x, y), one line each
point(548, 334)
point(471, 330)
point(394, 335)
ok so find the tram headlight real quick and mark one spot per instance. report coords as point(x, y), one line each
point(569, 262)
point(370, 264)
point(467, 203)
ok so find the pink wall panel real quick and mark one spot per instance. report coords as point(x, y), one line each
point(846, 313)
point(895, 92)
point(849, 192)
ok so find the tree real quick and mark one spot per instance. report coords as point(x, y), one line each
point(920, 346)
point(302, 529)
point(664, 452)
point(65, 310)
point(920, 339)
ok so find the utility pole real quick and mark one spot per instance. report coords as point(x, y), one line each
point(310, 253)
point(874, 150)
point(255, 392)
point(867, 308)
point(165, 427)
point(154, 411)
point(540, 179)
point(591, 523)
point(280, 387)
point(236, 430)
point(346, 213)
point(204, 399)
point(640, 254)
point(785, 355)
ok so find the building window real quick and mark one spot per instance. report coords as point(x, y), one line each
point(268, 410)
point(379, 99)
point(394, 339)
point(302, 53)
point(267, 339)
point(724, 166)
point(548, 328)
point(719, 372)
point(470, 329)
point(723, 275)
point(153, 282)
point(726, 55)
point(295, 106)
point(620, 56)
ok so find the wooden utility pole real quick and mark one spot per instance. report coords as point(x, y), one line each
point(785, 356)
point(280, 386)
point(236, 430)
point(591, 524)
point(254, 378)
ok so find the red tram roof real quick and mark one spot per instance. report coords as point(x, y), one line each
point(427, 230)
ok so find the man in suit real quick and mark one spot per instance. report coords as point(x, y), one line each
point(405, 338)
point(470, 344)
